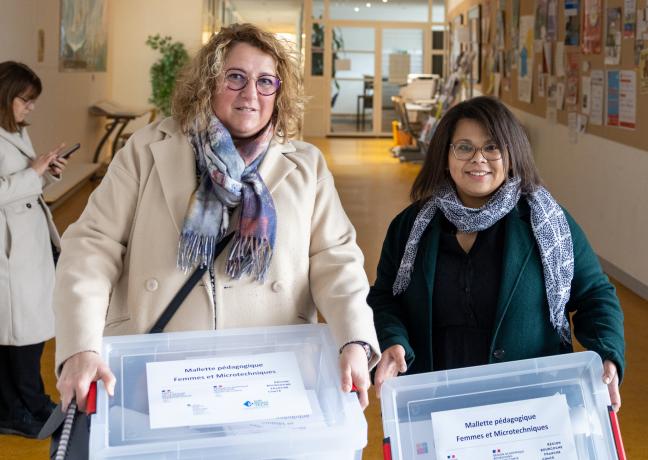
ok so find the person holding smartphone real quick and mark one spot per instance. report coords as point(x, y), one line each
point(27, 240)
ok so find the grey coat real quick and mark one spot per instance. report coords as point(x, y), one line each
point(27, 232)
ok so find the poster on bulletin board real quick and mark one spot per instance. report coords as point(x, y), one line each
point(629, 18)
point(571, 95)
point(525, 67)
point(628, 99)
point(597, 82)
point(572, 23)
point(592, 26)
point(552, 20)
point(613, 98)
point(613, 37)
point(540, 24)
point(643, 72)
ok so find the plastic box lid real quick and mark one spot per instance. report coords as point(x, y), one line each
point(444, 407)
point(121, 428)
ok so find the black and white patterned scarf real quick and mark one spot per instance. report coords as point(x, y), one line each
point(548, 223)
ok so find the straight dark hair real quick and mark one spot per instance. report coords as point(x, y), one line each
point(503, 128)
point(16, 79)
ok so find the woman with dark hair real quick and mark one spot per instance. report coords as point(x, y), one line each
point(27, 237)
point(226, 163)
point(485, 266)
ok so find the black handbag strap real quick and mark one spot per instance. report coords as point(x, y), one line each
point(186, 288)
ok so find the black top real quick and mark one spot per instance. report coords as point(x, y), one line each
point(466, 290)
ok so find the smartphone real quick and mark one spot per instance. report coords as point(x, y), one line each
point(69, 151)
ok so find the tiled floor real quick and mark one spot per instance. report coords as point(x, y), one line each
point(374, 187)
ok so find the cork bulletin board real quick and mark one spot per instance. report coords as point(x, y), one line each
point(595, 42)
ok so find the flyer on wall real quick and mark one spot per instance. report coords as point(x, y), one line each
point(629, 18)
point(571, 95)
point(613, 37)
point(525, 66)
point(586, 94)
point(225, 390)
point(500, 32)
point(515, 24)
point(597, 82)
point(540, 23)
point(592, 26)
point(552, 20)
point(572, 23)
point(641, 31)
point(525, 430)
point(643, 71)
point(628, 99)
point(613, 98)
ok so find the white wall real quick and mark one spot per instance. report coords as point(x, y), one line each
point(603, 184)
point(131, 22)
point(61, 113)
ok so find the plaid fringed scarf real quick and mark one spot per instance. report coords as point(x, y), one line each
point(224, 183)
point(549, 225)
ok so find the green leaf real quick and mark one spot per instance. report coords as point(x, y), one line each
point(164, 71)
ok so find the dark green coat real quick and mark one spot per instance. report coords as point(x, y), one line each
point(522, 328)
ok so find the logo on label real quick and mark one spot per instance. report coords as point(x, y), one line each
point(257, 403)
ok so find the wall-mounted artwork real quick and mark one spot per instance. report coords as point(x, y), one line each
point(84, 36)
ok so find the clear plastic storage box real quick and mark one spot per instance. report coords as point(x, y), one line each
point(555, 407)
point(333, 428)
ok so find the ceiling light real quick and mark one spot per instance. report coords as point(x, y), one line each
point(356, 9)
point(368, 5)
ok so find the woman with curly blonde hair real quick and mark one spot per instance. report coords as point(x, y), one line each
point(225, 164)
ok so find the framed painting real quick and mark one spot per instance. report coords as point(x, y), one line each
point(474, 41)
point(83, 35)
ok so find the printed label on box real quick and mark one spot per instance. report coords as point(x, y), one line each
point(225, 390)
point(530, 429)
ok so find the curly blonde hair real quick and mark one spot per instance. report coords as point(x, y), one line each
point(194, 90)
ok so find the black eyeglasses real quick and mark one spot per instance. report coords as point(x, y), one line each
point(465, 151)
point(27, 102)
point(266, 85)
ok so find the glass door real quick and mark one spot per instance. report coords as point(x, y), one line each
point(352, 80)
point(401, 56)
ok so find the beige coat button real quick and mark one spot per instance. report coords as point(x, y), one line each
point(151, 284)
point(277, 286)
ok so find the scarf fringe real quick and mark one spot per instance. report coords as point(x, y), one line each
point(249, 255)
point(196, 249)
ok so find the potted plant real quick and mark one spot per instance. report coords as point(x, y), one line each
point(164, 71)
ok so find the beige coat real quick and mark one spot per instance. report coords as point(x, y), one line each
point(26, 233)
point(117, 271)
